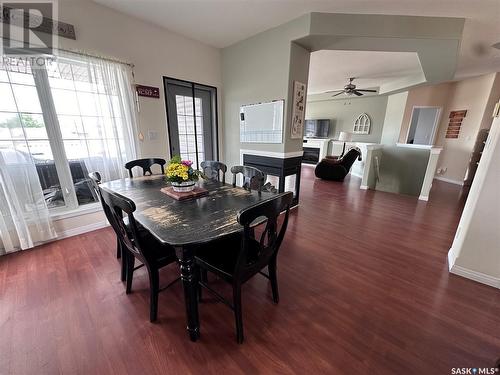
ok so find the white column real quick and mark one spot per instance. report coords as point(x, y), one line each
point(430, 172)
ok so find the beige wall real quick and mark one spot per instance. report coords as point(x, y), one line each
point(476, 95)
point(492, 100)
point(431, 95)
point(471, 94)
point(155, 52)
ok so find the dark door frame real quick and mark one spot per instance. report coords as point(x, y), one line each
point(215, 115)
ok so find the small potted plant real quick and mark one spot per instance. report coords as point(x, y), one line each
point(181, 174)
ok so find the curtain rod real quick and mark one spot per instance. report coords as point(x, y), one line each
point(91, 55)
point(97, 56)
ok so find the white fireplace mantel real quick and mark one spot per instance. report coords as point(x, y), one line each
point(321, 143)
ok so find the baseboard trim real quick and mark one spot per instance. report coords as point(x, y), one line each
point(452, 257)
point(423, 198)
point(476, 276)
point(80, 230)
point(449, 180)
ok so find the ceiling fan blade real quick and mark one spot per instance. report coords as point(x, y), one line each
point(357, 93)
point(367, 90)
point(327, 92)
point(333, 96)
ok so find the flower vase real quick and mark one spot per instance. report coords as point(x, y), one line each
point(183, 187)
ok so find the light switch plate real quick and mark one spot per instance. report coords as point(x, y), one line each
point(152, 135)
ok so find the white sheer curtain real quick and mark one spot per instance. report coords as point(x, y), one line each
point(105, 122)
point(78, 111)
point(25, 219)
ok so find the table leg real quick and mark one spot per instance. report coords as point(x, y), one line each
point(189, 280)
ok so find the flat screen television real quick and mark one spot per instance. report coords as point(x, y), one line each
point(317, 128)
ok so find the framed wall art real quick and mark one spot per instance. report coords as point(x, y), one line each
point(298, 109)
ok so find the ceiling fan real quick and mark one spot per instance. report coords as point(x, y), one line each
point(350, 89)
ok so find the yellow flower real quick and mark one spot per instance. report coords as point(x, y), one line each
point(178, 170)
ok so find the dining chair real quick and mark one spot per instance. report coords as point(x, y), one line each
point(95, 178)
point(146, 165)
point(237, 258)
point(212, 170)
point(253, 178)
point(138, 244)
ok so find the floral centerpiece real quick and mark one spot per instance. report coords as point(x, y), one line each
point(182, 175)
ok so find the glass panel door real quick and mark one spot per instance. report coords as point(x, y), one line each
point(191, 122)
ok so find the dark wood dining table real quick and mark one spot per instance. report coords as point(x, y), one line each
point(187, 225)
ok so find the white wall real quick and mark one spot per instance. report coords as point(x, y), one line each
point(394, 114)
point(343, 113)
point(155, 52)
point(475, 252)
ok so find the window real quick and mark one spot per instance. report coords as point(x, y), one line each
point(70, 118)
point(190, 141)
point(192, 120)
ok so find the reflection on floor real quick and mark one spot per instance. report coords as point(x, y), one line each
point(364, 290)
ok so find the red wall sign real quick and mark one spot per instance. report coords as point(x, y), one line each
point(148, 91)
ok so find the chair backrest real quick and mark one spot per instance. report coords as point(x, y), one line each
point(212, 168)
point(253, 178)
point(350, 157)
point(118, 205)
point(255, 252)
point(146, 165)
point(95, 178)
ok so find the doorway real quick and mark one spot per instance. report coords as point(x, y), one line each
point(423, 125)
point(192, 120)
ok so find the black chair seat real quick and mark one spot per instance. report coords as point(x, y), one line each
point(220, 256)
point(160, 254)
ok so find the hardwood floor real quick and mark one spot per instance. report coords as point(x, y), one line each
point(364, 289)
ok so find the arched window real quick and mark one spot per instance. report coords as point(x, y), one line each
point(362, 124)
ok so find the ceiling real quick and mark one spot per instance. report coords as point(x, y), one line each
point(330, 70)
point(221, 23)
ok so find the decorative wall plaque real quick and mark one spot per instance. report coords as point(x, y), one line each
point(46, 24)
point(455, 123)
point(362, 124)
point(148, 91)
